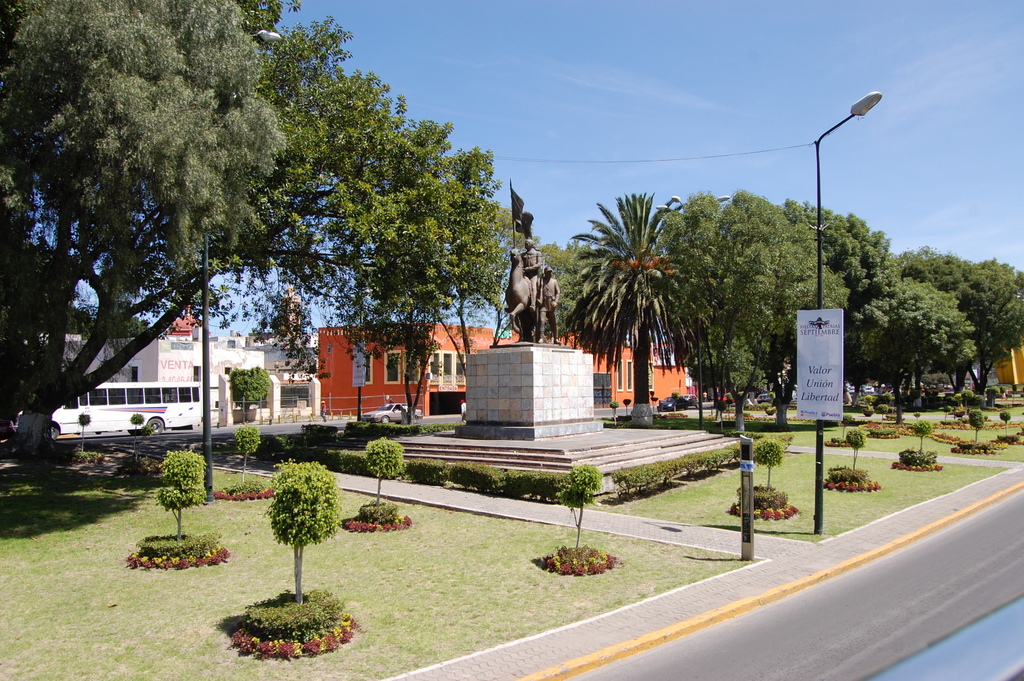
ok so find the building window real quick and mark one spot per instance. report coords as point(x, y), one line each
point(624, 376)
point(134, 374)
point(393, 364)
point(197, 374)
point(295, 396)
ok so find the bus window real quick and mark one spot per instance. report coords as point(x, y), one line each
point(135, 396)
point(184, 394)
point(195, 394)
point(98, 397)
point(115, 396)
point(170, 395)
point(73, 404)
point(152, 395)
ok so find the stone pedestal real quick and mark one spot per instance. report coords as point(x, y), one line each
point(529, 391)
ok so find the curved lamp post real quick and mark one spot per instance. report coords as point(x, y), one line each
point(861, 107)
point(700, 357)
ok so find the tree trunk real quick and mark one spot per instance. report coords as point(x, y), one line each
point(32, 437)
point(298, 574)
point(579, 527)
point(177, 515)
point(643, 414)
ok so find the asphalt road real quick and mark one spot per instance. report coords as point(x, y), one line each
point(862, 622)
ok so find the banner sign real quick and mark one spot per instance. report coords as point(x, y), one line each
point(819, 362)
point(358, 366)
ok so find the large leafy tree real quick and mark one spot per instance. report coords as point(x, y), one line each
point(743, 271)
point(991, 296)
point(625, 296)
point(860, 256)
point(371, 214)
point(916, 326)
point(129, 129)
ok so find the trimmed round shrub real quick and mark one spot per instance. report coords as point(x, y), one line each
point(579, 561)
point(766, 498)
point(915, 460)
point(281, 618)
point(144, 465)
point(247, 487)
point(379, 514)
point(385, 458)
point(847, 474)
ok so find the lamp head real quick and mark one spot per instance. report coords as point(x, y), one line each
point(865, 103)
point(268, 36)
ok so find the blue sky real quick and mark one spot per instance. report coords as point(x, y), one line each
point(586, 87)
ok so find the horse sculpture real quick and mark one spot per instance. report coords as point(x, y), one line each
point(517, 300)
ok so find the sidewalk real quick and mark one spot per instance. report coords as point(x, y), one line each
point(784, 566)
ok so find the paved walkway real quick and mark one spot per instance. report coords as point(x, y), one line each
point(783, 567)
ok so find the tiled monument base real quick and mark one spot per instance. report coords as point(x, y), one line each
point(529, 391)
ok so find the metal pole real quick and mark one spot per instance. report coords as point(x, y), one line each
point(819, 425)
point(700, 383)
point(207, 435)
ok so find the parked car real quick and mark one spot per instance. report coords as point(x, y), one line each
point(867, 390)
point(388, 413)
point(672, 404)
point(6, 429)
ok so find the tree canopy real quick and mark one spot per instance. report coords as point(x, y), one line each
point(624, 299)
point(129, 129)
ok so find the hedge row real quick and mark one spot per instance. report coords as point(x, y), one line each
point(478, 477)
point(393, 430)
point(630, 481)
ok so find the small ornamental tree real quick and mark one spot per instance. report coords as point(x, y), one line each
point(977, 421)
point(249, 386)
point(305, 510)
point(583, 483)
point(136, 420)
point(247, 439)
point(922, 429)
point(613, 405)
point(183, 475)
point(385, 459)
point(856, 439)
point(769, 452)
point(1005, 417)
point(83, 421)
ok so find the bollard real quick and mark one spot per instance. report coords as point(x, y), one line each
point(746, 498)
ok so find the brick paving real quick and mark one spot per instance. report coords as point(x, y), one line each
point(780, 562)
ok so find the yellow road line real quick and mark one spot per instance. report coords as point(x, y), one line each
point(620, 651)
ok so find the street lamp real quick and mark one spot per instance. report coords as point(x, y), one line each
point(861, 107)
point(265, 37)
point(700, 357)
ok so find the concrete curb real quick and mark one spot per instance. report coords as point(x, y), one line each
point(692, 625)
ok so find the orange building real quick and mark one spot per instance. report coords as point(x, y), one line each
point(383, 376)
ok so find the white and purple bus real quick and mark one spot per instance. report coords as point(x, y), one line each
point(111, 405)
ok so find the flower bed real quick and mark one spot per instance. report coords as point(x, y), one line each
point(976, 448)
point(919, 469)
point(244, 496)
point(768, 513)
point(355, 525)
point(579, 561)
point(286, 650)
point(870, 486)
point(217, 557)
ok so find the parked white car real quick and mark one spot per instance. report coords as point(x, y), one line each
point(388, 413)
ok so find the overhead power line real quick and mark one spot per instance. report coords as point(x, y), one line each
point(651, 160)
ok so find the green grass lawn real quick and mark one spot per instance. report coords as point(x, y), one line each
point(705, 502)
point(452, 584)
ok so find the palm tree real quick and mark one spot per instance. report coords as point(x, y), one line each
point(625, 293)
